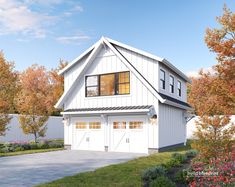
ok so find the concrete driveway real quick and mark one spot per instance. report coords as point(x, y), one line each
point(32, 169)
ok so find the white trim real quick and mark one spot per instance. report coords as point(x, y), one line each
point(109, 111)
point(87, 62)
point(137, 74)
point(66, 68)
point(163, 60)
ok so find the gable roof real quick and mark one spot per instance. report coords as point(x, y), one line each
point(92, 54)
point(146, 54)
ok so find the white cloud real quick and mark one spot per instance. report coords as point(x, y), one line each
point(44, 2)
point(17, 18)
point(76, 39)
point(195, 74)
point(77, 8)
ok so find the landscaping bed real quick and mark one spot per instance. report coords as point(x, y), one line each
point(19, 148)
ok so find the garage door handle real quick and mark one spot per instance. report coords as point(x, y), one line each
point(87, 139)
point(127, 140)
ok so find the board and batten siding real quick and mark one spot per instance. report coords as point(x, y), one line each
point(107, 62)
point(171, 126)
point(146, 66)
point(72, 73)
point(169, 73)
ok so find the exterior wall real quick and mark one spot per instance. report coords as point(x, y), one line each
point(146, 66)
point(171, 125)
point(107, 62)
point(54, 130)
point(71, 74)
point(169, 72)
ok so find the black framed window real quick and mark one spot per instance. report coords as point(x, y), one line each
point(179, 88)
point(171, 84)
point(108, 84)
point(92, 86)
point(162, 79)
point(123, 83)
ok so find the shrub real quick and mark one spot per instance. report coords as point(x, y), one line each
point(153, 173)
point(191, 153)
point(219, 171)
point(55, 145)
point(181, 176)
point(162, 181)
point(171, 163)
point(180, 157)
point(19, 149)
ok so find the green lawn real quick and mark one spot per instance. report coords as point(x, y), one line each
point(125, 174)
point(29, 152)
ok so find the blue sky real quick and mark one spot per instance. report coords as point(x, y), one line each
point(43, 31)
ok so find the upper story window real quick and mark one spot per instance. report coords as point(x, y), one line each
point(179, 88)
point(108, 84)
point(162, 79)
point(171, 84)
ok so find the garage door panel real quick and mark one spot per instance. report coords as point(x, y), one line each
point(89, 134)
point(96, 140)
point(119, 141)
point(129, 134)
point(80, 140)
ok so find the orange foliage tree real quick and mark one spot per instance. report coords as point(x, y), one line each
point(57, 85)
point(213, 94)
point(8, 88)
point(33, 101)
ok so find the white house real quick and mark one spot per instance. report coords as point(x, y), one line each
point(118, 98)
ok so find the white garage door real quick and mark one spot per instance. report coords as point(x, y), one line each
point(88, 134)
point(128, 134)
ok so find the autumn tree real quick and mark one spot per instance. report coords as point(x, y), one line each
point(8, 89)
point(57, 85)
point(213, 93)
point(33, 102)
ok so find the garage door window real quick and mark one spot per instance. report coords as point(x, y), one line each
point(136, 125)
point(81, 125)
point(119, 125)
point(94, 125)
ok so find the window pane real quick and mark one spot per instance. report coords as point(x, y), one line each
point(179, 85)
point(94, 125)
point(136, 125)
point(92, 91)
point(92, 81)
point(107, 86)
point(162, 84)
point(162, 75)
point(119, 125)
point(124, 88)
point(81, 125)
point(124, 77)
point(171, 80)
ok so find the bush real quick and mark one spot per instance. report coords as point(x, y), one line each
point(171, 163)
point(180, 157)
point(56, 144)
point(181, 176)
point(191, 153)
point(162, 181)
point(19, 149)
point(153, 173)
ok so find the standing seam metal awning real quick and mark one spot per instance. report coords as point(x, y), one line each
point(101, 110)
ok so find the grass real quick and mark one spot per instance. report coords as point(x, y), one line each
point(123, 175)
point(29, 152)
